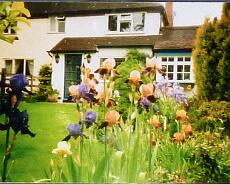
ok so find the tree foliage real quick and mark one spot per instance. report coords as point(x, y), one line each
point(11, 13)
point(211, 58)
point(133, 61)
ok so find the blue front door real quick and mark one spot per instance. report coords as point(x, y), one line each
point(72, 71)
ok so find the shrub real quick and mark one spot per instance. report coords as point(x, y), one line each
point(210, 115)
point(44, 82)
point(133, 61)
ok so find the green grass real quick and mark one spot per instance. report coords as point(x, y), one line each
point(32, 155)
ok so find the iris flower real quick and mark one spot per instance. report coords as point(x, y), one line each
point(187, 129)
point(147, 91)
point(134, 78)
point(89, 118)
point(75, 130)
point(107, 67)
point(112, 118)
point(151, 66)
point(178, 137)
point(63, 149)
point(145, 103)
point(155, 121)
point(181, 115)
point(84, 92)
point(18, 82)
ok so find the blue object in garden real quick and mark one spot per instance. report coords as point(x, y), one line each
point(75, 130)
point(89, 118)
point(18, 82)
point(83, 90)
point(145, 103)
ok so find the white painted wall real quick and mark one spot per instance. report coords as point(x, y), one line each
point(36, 40)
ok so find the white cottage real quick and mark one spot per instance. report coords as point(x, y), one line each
point(65, 33)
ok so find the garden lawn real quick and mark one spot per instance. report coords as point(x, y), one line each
point(31, 156)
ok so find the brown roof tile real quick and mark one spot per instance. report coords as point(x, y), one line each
point(76, 44)
point(176, 38)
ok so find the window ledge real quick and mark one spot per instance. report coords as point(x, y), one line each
point(56, 33)
point(125, 33)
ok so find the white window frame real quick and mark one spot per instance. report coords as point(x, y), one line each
point(14, 65)
point(119, 20)
point(57, 20)
point(175, 63)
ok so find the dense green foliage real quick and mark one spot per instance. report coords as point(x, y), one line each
point(134, 61)
point(211, 58)
point(44, 82)
point(209, 116)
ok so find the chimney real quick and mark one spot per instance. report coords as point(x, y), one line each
point(169, 12)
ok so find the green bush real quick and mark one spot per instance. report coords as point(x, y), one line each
point(44, 83)
point(210, 115)
point(133, 61)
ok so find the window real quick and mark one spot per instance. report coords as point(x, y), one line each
point(130, 22)
point(57, 24)
point(16, 66)
point(178, 68)
point(118, 61)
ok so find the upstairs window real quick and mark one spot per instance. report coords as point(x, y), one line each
point(130, 22)
point(57, 24)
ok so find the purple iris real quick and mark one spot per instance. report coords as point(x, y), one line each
point(83, 90)
point(145, 103)
point(89, 118)
point(176, 92)
point(18, 82)
point(75, 129)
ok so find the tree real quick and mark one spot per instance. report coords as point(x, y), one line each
point(212, 58)
point(223, 40)
point(11, 13)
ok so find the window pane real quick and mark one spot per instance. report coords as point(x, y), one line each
point(125, 26)
point(179, 68)
point(29, 67)
point(170, 68)
point(61, 26)
point(138, 21)
point(187, 58)
point(180, 59)
point(119, 61)
point(171, 58)
point(112, 23)
point(126, 17)
point(52, 24)
point(19, 66)
point(164, 59)
point(179, 76)
point(170, 76)
point(9, 66)
point(187, 68)
point(186, 76)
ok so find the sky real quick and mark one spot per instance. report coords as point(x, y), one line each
point(194, 13)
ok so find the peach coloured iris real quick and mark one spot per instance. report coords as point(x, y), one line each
point(181, 115)
point(112, 117)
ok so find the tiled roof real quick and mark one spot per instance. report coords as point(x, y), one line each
point(176, 38)
point(45, 9)
point(77, 44)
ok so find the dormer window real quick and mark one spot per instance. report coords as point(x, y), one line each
point(57, 24)
point(127, 22)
